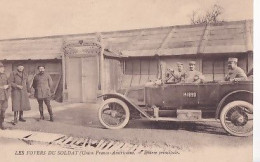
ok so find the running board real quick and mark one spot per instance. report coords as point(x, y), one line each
point(176, 119)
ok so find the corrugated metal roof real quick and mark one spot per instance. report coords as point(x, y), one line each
point(224, 37)
point(41, 49)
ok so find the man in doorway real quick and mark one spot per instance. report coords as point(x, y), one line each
point(20, 93)
point(4, 95)
point(42, 84)
point(235, 73)
point(194, 76)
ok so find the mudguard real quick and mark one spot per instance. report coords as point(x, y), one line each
point(220, 105)
point(126, 100)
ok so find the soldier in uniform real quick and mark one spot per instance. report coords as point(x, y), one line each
point(4, 86)
point(169, 76)
point(193, 76)
point(180, 75)
point(42, 84)
point(235, 73)
point(19, 94)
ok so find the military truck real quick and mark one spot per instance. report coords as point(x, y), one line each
point(230, 103)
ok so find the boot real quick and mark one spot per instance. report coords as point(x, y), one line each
point(50, 112)
point(2, 126)
point(42, 116)
point(1, 123)
point(21, 117)
point(15, 118)
point(51, 118)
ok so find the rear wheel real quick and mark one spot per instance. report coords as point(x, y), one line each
point(113, 114)
point(237, 118)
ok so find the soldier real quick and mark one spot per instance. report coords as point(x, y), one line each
point(42, 84)
point(19, 94)
point(193, 76)
point(4, 86)
point(169, 76)
point(235, 73)
point(180, 75)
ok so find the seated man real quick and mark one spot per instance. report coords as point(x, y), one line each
point(235, 73)
point(180, 74)
point(169, 76)
point(193, 76)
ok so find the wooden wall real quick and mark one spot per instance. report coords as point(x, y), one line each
point(53, 67)
point(112, 75)
point(214, 67)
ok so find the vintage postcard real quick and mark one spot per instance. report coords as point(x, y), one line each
point(149, 80)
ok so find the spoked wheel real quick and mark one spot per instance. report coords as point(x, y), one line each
point(237, 118)
point(113, 114)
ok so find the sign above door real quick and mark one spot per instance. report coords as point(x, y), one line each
point(82, 49)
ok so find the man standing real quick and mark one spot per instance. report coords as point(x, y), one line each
point(19, 94)
point(194, 76)
point(42, 84)
point(235, 73)
point(180, 74)
point(4, 95)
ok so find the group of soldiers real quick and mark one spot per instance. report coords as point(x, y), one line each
point(191, 76)
point(19, 87)
point(235, 73)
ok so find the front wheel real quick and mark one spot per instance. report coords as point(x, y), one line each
point(237, 118)
point(113, 114)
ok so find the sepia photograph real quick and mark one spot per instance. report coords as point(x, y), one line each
point(147, 80)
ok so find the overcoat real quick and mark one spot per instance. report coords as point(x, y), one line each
point(237, 73)
point(20, 98)
point(4, 93)
point(42, 84)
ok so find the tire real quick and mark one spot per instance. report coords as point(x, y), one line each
point(121, 109)
point(239, 114)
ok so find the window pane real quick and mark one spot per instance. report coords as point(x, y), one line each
point(153, 67)
point(207, 67)
point(219, 67)
point(242, 63)
point(136, 67)
point(128, 67)
point(144, 67)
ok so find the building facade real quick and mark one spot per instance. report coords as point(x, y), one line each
point(87, 65)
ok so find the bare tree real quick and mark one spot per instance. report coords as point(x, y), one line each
point(210, 16)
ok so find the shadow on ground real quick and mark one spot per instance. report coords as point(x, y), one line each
point(88, 117)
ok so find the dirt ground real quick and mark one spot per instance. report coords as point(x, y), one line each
point(83, 122)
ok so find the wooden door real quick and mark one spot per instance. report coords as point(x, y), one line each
point(89, 79)
point(74, 79)
point(82, 79)
point(81, 66)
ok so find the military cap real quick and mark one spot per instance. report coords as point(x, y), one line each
point(179, 63)
point(41, 66)
point(20, 64)
point(1, 64)
point(192, 63)
point(232, 59)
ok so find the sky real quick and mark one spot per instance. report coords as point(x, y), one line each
point(36, 18)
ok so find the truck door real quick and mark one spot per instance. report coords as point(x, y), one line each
point(208, 94)
point(180, 95)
